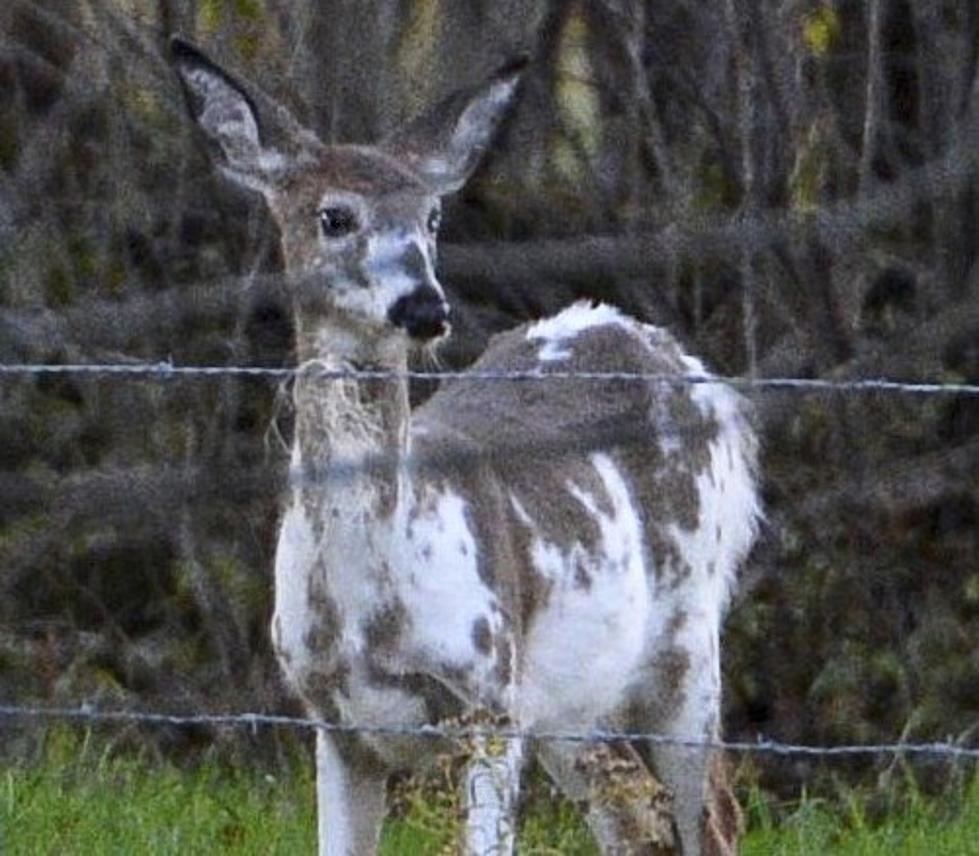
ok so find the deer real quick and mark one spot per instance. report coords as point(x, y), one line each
point(550, 555)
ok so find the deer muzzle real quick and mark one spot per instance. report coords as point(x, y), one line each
point(423, 313)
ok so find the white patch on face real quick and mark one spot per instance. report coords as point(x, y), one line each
point(371, 303)
point(385, 263)
point(384, 251)
point(386, 275)
point(440, 586)
point(559, 330)
point(583, 649)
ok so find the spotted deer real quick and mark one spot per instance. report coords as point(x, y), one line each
point(552, 554)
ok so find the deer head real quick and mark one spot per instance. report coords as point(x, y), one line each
point(358, 223)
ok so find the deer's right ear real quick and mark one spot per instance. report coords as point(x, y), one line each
point(444, 145)
point(227, 115)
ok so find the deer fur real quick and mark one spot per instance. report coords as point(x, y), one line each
point(551, 555)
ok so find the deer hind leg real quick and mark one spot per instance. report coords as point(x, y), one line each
point(492, 786)
point(721, 819)
point(350, 797)
point(707, 814)
point(628, 811)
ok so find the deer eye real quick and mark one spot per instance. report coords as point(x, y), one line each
point(434, 220)
point(337, 221)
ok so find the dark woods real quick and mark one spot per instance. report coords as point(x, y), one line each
point(789, 186)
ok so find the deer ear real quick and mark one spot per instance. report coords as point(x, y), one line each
point(227, 115)
point(444, 145)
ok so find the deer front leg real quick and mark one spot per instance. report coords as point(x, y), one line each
point(350, 799)
point(492, 786)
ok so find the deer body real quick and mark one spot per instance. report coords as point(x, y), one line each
point(552, 554)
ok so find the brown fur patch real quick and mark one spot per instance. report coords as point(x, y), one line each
point(504, 666)
point(319, 688)
point(326, 674)
point(672, 666)
point(536, 445)
point(482, 636)
point(383, 630)
point(322, 636)
point(663, 686)
point(539, 438)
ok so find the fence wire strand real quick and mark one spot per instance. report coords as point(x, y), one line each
point(166, 370)
point(762, 745)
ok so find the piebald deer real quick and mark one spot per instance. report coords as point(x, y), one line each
point(552, 554)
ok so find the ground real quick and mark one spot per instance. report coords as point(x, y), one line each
point(82, 796)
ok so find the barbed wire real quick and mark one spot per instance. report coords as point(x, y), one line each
point(845, 218)
point(165, 370)
point(88, 713)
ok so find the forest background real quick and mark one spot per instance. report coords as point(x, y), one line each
point(790, 186)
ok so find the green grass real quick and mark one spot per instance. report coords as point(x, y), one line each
point(80, 800)
point(912, 825)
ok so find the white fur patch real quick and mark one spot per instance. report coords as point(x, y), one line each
point(710, 398)
point(385, 262)
point(559, 330)
point(379, 706)
point(583, 649)
point(294, 558)
point(439, 583)
point(728, 498)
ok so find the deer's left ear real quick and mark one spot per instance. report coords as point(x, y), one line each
point(444, 144)
point(231, 121)
point(219, 104)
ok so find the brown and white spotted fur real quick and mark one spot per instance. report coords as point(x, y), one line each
point(556, 555)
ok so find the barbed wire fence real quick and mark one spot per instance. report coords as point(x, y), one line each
point(844, 222)
point(165, 370)
point(763, 745)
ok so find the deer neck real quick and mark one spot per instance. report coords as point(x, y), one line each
point(351, 434)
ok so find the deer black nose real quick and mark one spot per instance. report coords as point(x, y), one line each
point(423, 313)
